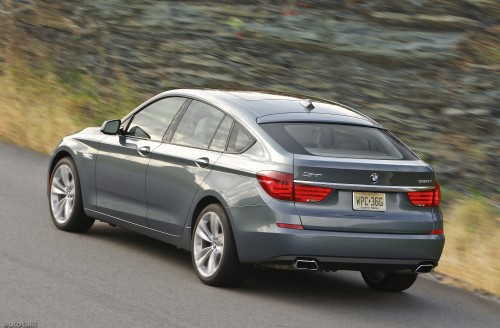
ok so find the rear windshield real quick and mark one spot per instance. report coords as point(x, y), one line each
point(337, 140)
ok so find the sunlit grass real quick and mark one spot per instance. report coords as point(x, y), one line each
point(34, 117)
point(472, 254)
point(38, 108)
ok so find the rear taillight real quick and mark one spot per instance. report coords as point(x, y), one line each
point(280, 185)
point(277, 184)
point(427, 198)
point(307, 193)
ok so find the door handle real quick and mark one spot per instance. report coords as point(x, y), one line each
point(202, 162)
point(144, 151)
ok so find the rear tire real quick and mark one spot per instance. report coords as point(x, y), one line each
point(213, 250)
point(389, 282)
point(65, 198)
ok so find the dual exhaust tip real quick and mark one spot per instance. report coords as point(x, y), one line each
point(310, 264)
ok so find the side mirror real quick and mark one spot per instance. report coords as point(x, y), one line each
point(111, 127)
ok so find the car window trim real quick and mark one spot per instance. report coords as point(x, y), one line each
point(250, 144)
point(169, 134)
point(124, 134)
point(217, 130)
point(244, 149)
point(184, 110)
point(131, 117)
point(127, 125)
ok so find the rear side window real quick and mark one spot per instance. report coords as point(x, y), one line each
point(337, 140)
point(220, 139)
point(198, 125)
point(240, 139)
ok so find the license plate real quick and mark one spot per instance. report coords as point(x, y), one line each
point(368, 201)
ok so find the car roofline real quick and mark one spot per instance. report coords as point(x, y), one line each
point(299, 97)
point(221, 95)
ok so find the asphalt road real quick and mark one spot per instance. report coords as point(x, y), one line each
point(110, 277)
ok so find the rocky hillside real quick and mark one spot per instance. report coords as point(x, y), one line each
point(426, 69)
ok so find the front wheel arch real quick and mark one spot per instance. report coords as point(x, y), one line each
point(76, 220)
point(55, 160)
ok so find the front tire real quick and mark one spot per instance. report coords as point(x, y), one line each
point(213, 250)
point(389, 282)
point(65, 198)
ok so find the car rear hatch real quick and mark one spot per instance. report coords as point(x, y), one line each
point(356, 203)
point(374, 184)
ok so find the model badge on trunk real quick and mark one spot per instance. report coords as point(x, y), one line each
point(312, 175)
point(374, 177)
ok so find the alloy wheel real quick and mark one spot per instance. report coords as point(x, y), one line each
point(208, 244)
point(62, 194)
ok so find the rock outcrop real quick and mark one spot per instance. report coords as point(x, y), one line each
point(426, 69)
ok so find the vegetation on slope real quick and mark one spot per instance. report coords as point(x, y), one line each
point(42, 102)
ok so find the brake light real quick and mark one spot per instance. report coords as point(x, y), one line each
point(277, 184)
point(427, 198)
point(280, 185)
point(437, 232)
point(307, 193)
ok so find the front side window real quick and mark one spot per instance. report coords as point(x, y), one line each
point(198, 125)
point(153, 121)
point(337, 140)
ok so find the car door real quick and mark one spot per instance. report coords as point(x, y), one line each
point(178, 166)
point(123, 159)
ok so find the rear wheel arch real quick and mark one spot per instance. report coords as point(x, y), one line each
point(213, 248)
point(202, 203)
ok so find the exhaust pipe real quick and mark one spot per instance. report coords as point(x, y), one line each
point(306, 265)
point(424, 268)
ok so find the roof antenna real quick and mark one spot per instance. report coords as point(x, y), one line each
point(307, 104)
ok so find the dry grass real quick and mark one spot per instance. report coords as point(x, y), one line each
point(37, 110)
point(34, 118)
point(471, 255)
point(40, 101)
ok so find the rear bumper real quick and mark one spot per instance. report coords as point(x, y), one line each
point(328, 263)
point(260, 241)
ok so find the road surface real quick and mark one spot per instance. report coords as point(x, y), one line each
point(111, 277)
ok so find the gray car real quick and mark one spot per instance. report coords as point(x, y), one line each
point(244, 179)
